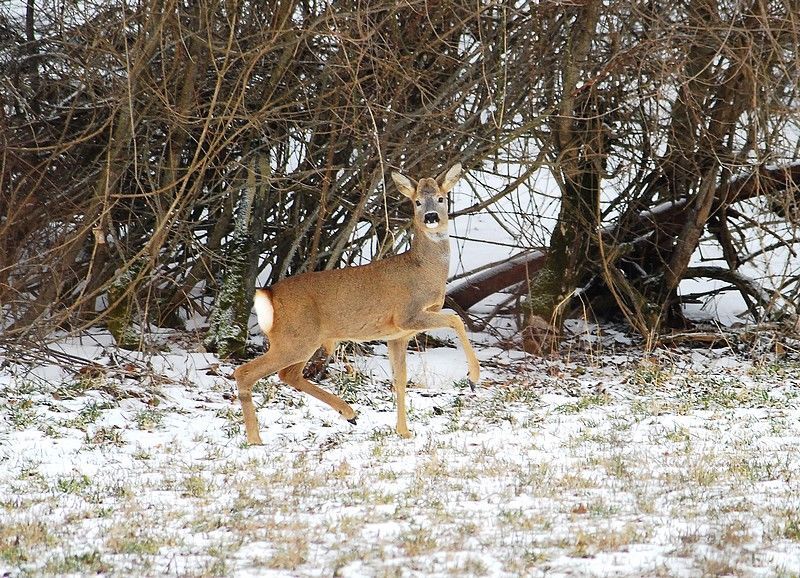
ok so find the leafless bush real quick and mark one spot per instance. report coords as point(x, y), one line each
point(130, 132)
point(150, 148)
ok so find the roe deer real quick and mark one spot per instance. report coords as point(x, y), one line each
point(392, 299)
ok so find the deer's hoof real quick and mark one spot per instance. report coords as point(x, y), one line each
point(353, 420)
point(472, 384)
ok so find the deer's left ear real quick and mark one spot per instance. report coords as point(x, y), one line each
point(447, 179)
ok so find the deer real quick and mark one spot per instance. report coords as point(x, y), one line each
point(389, 299)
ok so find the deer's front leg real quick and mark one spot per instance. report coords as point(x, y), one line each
point(424, 320)
point(397, 359)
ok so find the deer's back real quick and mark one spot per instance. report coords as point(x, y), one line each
point(356, 303)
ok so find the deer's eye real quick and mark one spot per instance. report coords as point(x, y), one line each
point(441, 199)
point(419, 203)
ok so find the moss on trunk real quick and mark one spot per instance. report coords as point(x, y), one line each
point(228, 325)
point(227, 334)
point(121, 299)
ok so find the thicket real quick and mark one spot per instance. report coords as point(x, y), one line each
point(157, 156)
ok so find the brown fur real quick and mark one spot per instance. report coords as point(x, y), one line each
point(391, 299)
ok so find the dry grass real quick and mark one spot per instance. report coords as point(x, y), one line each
point(670, 470)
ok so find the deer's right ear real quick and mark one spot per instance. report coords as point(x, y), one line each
point(406, 186)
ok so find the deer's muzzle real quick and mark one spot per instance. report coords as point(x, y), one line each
point(431, 219)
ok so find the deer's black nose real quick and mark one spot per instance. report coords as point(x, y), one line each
point(431, 218)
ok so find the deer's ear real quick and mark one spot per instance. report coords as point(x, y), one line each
point(447, 179)
point(406, 186)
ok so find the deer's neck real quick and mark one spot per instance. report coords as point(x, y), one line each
point(431, 249)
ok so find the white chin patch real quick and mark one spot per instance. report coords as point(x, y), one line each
point(431, 225)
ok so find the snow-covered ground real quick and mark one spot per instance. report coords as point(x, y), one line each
point(604, 462)
point(601, 463)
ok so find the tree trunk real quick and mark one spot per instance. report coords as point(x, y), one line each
point(575, 143)
point(229, 322)
point(122, 306)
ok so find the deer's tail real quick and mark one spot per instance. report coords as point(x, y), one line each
point(262, 301)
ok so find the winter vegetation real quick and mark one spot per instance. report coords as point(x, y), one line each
point(683, 463)
point(624, 253)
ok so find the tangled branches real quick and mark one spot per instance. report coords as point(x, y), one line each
point(150, 148)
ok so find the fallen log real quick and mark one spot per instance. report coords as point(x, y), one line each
point(478, 287)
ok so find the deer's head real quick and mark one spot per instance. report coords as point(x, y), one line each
point(429, 197)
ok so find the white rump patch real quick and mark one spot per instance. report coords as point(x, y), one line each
point(264, 310)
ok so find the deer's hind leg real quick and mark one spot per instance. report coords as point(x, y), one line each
point(248, 374)
point(293, 375)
